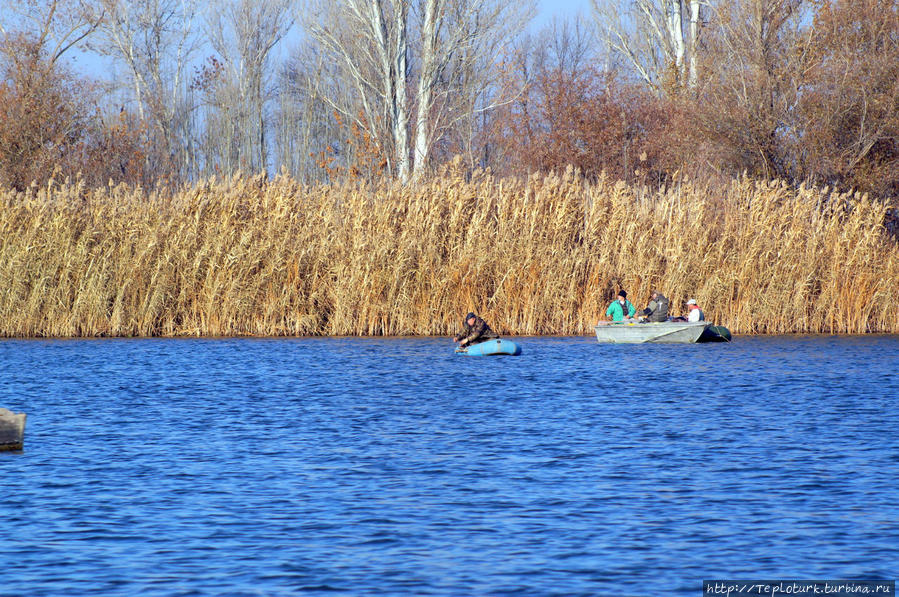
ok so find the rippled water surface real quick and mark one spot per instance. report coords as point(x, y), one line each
point(393, 466)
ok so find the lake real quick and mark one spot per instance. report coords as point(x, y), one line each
point(393, 466)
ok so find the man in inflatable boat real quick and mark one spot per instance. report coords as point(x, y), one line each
point(474, 331)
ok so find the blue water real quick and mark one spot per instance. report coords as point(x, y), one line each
point(393, 466)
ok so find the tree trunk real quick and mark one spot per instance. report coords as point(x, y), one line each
point(401, 123)
point(693, 75)
point(392, 47)
point(426, 83)
point(675, 23)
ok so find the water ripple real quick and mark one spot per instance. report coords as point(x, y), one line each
point(392, 466)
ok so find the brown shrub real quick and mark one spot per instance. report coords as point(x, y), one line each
point(50, 125)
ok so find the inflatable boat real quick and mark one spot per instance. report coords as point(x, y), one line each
point(490, 348)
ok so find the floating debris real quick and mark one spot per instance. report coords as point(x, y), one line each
point(12, 430)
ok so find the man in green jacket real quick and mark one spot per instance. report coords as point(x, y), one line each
point(621, 308)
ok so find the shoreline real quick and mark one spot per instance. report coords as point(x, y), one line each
point(413, 337)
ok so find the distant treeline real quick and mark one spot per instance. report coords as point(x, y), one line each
point(542, 255)
point(805, 91)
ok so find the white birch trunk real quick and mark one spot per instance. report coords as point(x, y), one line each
point(392, 48)
point(370, 43)
point(647, 33)
point(693, 75)
point(427, 81)
point(401, 109)
point(675, 24)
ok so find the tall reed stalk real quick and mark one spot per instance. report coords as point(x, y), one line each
point(538, 256)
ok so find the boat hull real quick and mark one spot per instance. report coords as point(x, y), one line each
point(715, 333)
point(491, 348)
point(668, 332)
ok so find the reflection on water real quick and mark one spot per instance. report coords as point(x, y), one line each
point(394, 466)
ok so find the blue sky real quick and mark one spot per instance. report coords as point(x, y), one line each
point(548, 8)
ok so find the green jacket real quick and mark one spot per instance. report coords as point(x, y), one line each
point(616, 310)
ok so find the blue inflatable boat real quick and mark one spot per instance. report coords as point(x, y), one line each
point(490, 348)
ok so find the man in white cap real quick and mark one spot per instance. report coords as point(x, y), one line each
point(696, 313)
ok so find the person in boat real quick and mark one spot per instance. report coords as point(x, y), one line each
point(696, 313)
point(621, 308)
point(657, 310)
point(474, 331)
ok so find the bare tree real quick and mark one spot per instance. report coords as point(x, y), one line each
point(368, 40)
point(464, 47)
point(849, 105)
point(305, 126)
point(756, 62)
point(654, 37)
point(155, 40)
point(55, 26)
point(498, 136)
point(244, 33)
point(386, 48)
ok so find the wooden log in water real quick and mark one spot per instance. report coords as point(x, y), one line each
point(12, 430)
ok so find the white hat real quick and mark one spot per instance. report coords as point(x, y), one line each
point(691, 302)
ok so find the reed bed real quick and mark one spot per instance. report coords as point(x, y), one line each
point(249, 256)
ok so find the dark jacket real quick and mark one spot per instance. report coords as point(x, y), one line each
point(478, 332)
point(657, 309)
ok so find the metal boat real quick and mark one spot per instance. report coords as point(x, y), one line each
point(681, 332)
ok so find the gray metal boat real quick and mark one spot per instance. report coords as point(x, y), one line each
point(636, 333)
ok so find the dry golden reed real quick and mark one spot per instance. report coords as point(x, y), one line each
point(540, 256)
